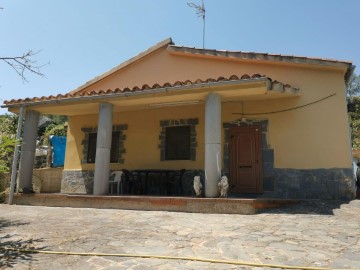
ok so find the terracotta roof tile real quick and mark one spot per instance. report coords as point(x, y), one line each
point(172, 48)
point(255, 55)
point(140, 89)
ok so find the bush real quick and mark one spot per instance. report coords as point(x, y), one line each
point(56, 130)
point(6, 153)
point(355, 123)
point(2, 188)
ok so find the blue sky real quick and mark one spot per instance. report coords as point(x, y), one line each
point(82, 39)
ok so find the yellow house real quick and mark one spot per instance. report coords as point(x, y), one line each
point(276, 125)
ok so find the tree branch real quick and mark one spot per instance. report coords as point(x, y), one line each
point(24, 63)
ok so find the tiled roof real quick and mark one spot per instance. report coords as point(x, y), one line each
point(275, 85)
point(172, 48)
point(256, 55)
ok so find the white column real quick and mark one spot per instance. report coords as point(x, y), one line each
point(103, 147)
point(28, 147)
point(212, 144)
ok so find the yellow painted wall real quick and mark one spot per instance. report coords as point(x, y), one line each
point(142, 138)
point(316, 136)
point(162, 66)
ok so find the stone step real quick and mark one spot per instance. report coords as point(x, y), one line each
point(244, 206)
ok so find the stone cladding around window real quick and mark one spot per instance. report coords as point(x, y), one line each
point(116, 128)
point(192, 122)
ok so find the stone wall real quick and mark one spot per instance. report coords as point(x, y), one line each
point(77, 182)
point(336, 183)
point(49, 179)
point(81, 182)
point(287, 183)
point(45, 180)
point(333, 183)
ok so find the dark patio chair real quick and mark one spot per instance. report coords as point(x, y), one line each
point(174, 184)
point(132, 184)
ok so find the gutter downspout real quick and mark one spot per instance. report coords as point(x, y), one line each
point(16, 155)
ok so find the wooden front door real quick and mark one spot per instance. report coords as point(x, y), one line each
point(246, 159)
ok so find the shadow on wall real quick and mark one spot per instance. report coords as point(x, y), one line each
point(311, 207)
point(9, 258)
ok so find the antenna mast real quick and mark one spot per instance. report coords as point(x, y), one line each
point(200, 12)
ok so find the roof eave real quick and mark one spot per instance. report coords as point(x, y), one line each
point(252, 56)
point(102, 96)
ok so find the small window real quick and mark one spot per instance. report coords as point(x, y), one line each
point(114, 152)
point(91, 148)
point(177, 143)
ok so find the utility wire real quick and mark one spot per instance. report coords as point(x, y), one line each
point(290, 109)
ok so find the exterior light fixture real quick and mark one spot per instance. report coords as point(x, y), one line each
point(174, 104)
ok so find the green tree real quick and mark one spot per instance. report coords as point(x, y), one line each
point(353, 88)
point(353, 92)
point(6, 153)
point(58, 119)
point(54, 129)
point(8, 125)
point(355, 123)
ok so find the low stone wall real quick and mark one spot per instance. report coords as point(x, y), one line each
point(77, 182)
point(151, 203)
point(45, 180)
point(81, 182)
point(335, 183)
point(281, 183)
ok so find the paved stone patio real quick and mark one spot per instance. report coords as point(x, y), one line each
point(313, 233)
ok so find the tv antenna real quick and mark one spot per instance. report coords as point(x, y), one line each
point(200, 12)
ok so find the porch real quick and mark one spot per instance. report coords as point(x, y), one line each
point(156, 129)
point(244, 206)
point(157, 182)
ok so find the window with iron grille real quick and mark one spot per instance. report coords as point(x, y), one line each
point(177, 143)
point(114, 153)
